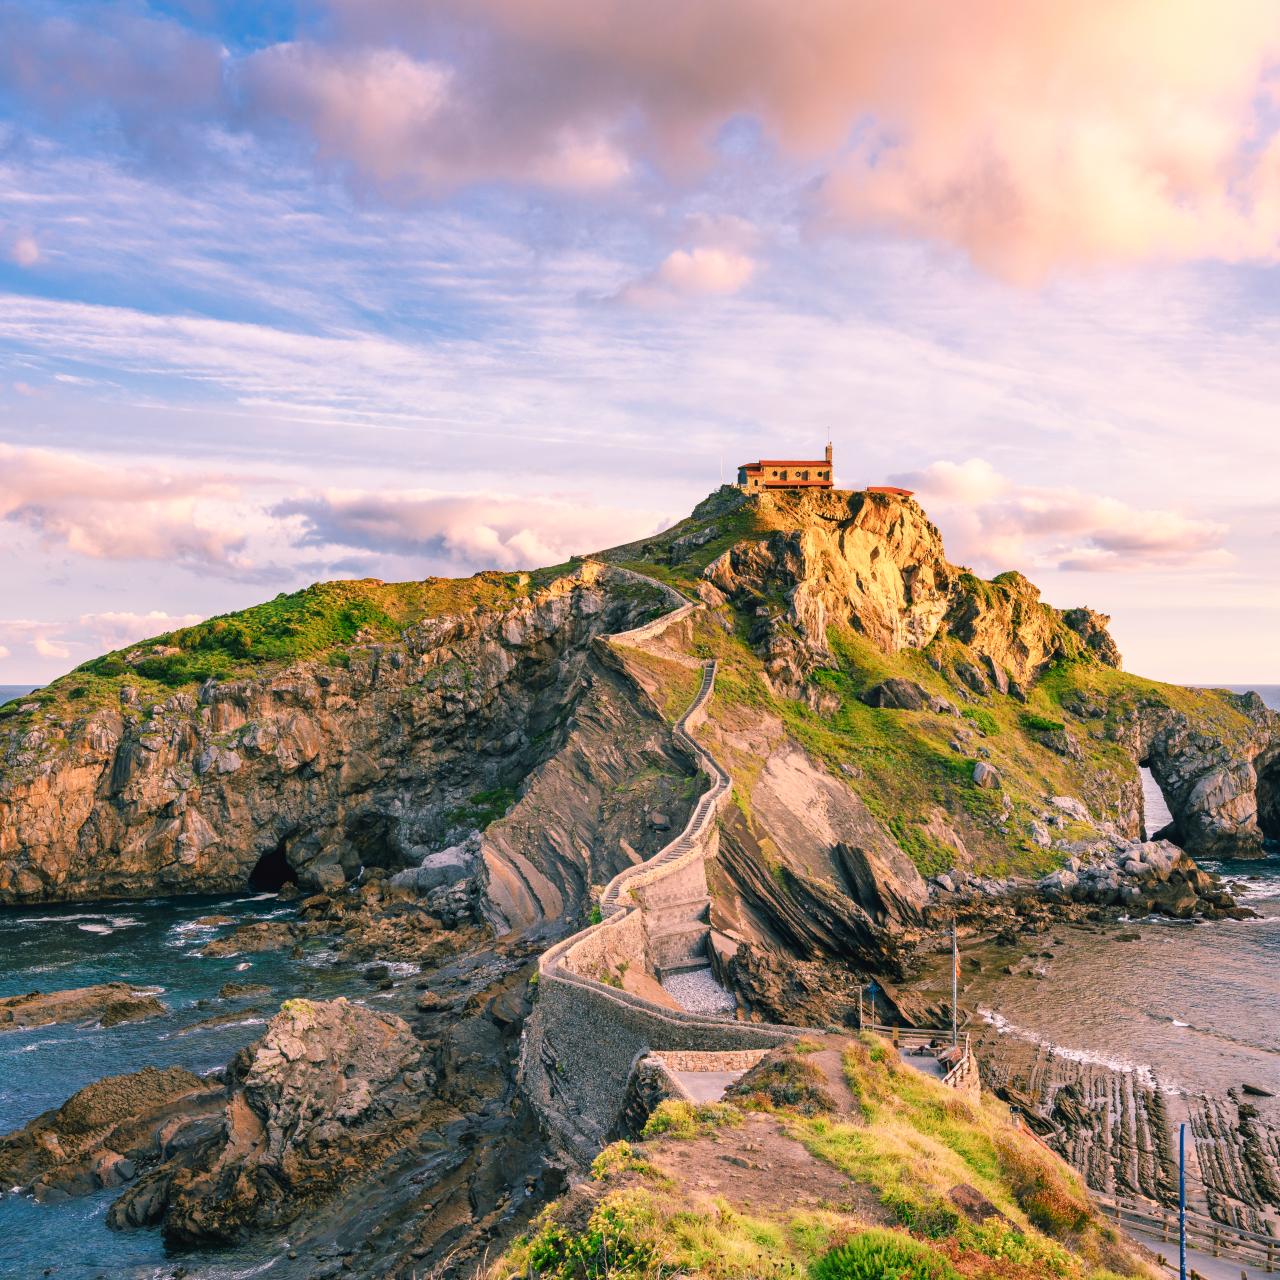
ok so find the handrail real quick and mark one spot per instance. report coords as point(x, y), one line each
point(1224, 1239)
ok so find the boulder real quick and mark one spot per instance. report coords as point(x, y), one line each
point(985, 775)
point(325, 1092)
point(1072, 808)
point(438, 870)
point(897, 695)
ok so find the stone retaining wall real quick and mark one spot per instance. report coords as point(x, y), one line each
point(584, 1037)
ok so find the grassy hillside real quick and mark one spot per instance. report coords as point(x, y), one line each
point(321, 622)
point(881, 1173)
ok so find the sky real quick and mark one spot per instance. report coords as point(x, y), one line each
point(295, 290)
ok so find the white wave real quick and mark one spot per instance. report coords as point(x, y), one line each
point(96, 928)
point(243, 965)
point(399, 968)
point(123, 922)
point(1141, 1071)
point(90, 915)
point(38, 1044)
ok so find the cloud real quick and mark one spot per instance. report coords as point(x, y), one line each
point(999, 524)
point(148, 71)
point(1031, 136)
point(688, 273)
point(398, 122)
point(108, 511)
point(115, 629)
point(42, 638)
point(24, 251)
point(460, 534)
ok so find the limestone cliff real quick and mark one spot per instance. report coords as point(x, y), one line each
point(909, 674)
point(376, 753)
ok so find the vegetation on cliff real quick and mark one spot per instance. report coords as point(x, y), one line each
point(902, 1172)
point(319, 623)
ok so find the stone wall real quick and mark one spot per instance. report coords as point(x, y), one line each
point(585, 1037)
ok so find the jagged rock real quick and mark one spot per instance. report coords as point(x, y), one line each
point(900, 695)
point(100, 1135)
point(1072, 808)
point(109, 1004)
point(323, 1092)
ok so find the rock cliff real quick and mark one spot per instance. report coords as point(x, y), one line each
point(374, 754)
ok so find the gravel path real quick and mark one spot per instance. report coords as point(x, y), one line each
point(697, 991)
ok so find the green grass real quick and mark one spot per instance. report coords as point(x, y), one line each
point(911, 1143)
point(483, 808)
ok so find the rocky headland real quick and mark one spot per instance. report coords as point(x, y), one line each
point(450, 773)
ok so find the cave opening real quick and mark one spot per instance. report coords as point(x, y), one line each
point(1269, 801)
point(272, 871)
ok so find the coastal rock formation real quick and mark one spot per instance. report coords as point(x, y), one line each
point(313, 770)
point(874, 562)
point(322, 1093)
point(109, 1003)
point(104, 1134)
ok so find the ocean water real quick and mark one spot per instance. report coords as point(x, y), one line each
point(153, 945)
point(10, 691)
point(1194, 1006)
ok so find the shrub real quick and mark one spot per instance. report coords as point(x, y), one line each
point(983, 719)
point(783, 1081)
point(1043, 1188)
point(687, 1120)
point(611, 1245)
point(882, 1255)
point(1041, 724)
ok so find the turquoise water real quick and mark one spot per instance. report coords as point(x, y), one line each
point(151, 944)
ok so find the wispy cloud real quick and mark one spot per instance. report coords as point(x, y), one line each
point(1003, 524)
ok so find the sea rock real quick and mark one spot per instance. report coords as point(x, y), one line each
point(109, 1004)
point(318, 1097)
point(101, 1135)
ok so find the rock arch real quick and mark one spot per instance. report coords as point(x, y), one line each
point(1268, 793)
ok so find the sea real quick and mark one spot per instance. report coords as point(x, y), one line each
point(1193, 1005)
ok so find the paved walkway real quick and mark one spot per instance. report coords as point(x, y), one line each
point(707, 1086)
point(1202, 1264)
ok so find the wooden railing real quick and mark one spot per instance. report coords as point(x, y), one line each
point(1218, 1239)
point(960, 1074)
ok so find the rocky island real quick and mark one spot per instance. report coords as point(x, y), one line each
point(648, 815)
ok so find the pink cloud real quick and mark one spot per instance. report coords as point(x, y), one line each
point(1029, 135)
point(25, 250)
point(998, 524)
point(109, 511)
point(404, 125)
point(691, 273)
